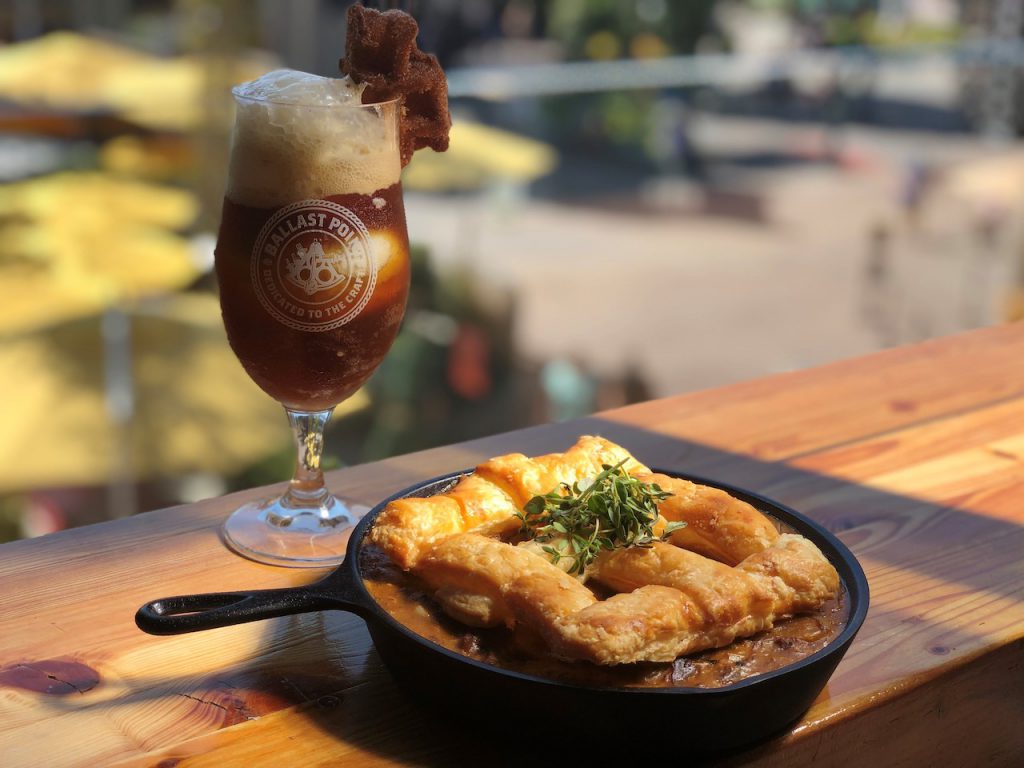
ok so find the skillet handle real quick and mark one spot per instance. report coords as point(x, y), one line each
point(192, 613)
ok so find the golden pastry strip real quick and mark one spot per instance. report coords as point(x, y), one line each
point(678, 602)
point(487, 500)
point(718, 525)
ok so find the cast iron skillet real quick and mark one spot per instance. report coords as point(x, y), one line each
point(691, 720)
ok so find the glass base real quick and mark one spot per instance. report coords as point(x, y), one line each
point(311, 536)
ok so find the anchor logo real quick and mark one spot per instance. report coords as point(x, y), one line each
point(312, 270)
point(313, 265)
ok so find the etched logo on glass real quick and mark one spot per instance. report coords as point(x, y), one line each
point(313, 267)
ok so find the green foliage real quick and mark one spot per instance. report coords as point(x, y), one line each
point(613, 510)
point(11, 510)
point(680, 24)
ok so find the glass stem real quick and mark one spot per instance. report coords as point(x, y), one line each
point(307, 489)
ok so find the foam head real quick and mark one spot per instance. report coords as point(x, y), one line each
point(299, 136)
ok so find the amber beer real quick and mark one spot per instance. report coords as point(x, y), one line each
point(311, 340)
point(312, 257)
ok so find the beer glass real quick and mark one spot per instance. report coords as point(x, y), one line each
point(312, 261)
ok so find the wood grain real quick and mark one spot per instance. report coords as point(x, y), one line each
point(915, 457)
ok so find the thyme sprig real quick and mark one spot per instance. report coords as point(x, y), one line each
point(612, 510)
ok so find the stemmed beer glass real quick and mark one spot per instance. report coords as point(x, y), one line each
point(312, 260)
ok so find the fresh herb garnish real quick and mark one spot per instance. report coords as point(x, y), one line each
point(612, 510)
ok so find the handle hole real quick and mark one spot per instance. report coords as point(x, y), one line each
point(195, 604)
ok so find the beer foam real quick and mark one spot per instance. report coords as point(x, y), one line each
point(294, 139)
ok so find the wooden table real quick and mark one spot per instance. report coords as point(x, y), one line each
point(914, 456)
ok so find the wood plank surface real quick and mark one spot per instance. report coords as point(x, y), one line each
point(914, 457)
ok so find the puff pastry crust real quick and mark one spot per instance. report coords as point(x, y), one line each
point(728, 574)
point(671, 601)
point(718, 525)
point(487, 500)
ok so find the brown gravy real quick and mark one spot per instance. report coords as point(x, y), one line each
point(407, 600)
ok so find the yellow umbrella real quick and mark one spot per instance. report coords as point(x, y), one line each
point(477, 155)
point(63, 69)
point(195, 409)
point(75, 243)
point(68, 71)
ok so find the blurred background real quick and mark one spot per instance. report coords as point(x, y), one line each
point(642, 197)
